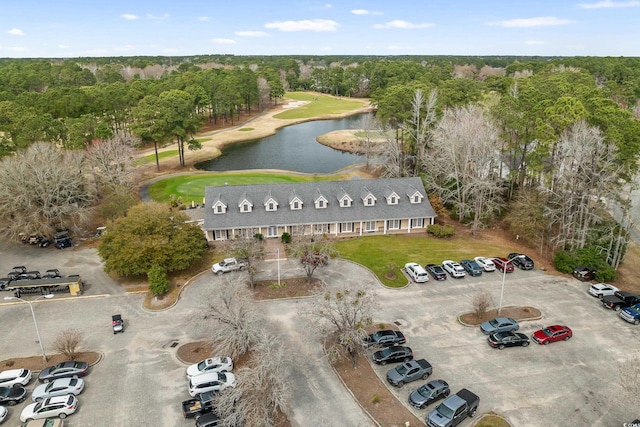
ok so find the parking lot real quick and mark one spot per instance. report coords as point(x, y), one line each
point(139, 381)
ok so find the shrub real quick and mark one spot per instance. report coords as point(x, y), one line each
point(158, 281)
point(440, 230)
point(67, 342)
point(564, 262)
point(258, 236)
point(286, 237)
point(376, 399)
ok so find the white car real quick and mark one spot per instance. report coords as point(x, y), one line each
point(3, 413)
point(454, 269)
point(213, 364)
point(211, 381)
point(416, 272)
point(59, 387)
point(485, 263)
point(600, 290)
point(58, 406)
point(15, 376)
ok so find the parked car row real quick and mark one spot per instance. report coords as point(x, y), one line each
point(451, 411)
point(205, 379)
point(474, 267)
point(502, 333)
point(627, 304)
point(55, 398)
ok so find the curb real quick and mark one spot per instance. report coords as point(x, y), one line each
point(526, 319)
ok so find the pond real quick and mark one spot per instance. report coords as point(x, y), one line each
point(292, 148)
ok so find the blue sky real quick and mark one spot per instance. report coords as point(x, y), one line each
point(72, 28)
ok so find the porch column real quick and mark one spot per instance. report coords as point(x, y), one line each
point(361, 228)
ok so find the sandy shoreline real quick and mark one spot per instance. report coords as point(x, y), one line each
point(261, 126)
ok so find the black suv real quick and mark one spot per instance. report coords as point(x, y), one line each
point(521, 261)
point(396, 353)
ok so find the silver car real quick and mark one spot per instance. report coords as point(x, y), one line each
point(59, 387)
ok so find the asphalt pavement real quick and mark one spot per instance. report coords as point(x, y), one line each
point(139, 380)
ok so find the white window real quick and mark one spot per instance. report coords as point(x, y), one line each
point(297, 229)
point(370, 226)
point(346, 227)
point(393, 224)
point(272, 231)
point(220, 234)
point(320, 228)
point(369, 201)
point(270, 206)
point(345, 202)
point(417, 222)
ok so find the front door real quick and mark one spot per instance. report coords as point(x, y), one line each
point(272, 231)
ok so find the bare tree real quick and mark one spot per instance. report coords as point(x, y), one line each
point(464, 164)
point(263, 387)
point(343, 314)
point(112, 160)
point(252, 251)
point(585, 171)
point(481, 303)
point(67, 342)
point(231, 320)
point(420, 124)
point(44, 189)
point(313, 251)
point(390, 155)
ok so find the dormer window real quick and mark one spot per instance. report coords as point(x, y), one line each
point(296, 205)
point(245, 207)
point(416, 199)
point(321, 203)
point(369, 201)
point(345, 203)
point(393, 200)
point(219, 208)
point(270, 204)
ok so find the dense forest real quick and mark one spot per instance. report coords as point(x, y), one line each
point(549, 139)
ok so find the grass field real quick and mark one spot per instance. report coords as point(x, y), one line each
point(191, 187)
point(151, 158)
point(377, 252)
point(319, 105)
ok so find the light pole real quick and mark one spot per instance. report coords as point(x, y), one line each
point(33, 314)
point(504, 276)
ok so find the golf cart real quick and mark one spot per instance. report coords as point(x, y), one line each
point(117, 323)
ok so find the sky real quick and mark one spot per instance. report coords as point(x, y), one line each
point(79, 28)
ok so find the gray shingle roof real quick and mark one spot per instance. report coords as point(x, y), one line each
point(308, 192)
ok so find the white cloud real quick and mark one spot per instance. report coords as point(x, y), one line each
point(223, 41)
point(251, 33)
point(398, 23)
point(609, 4)
point(304, 25)
point(203, 18)
point(16, 32)
point(129, 16)
point(63, 46)
point(541, 21)
point(328, 5)
point(365, 12)
point(158, 18)
point(534, 42)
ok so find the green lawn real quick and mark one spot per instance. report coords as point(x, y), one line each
point(191, 187)
point(319, 105)
point(376, 252)
point(151, 158)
